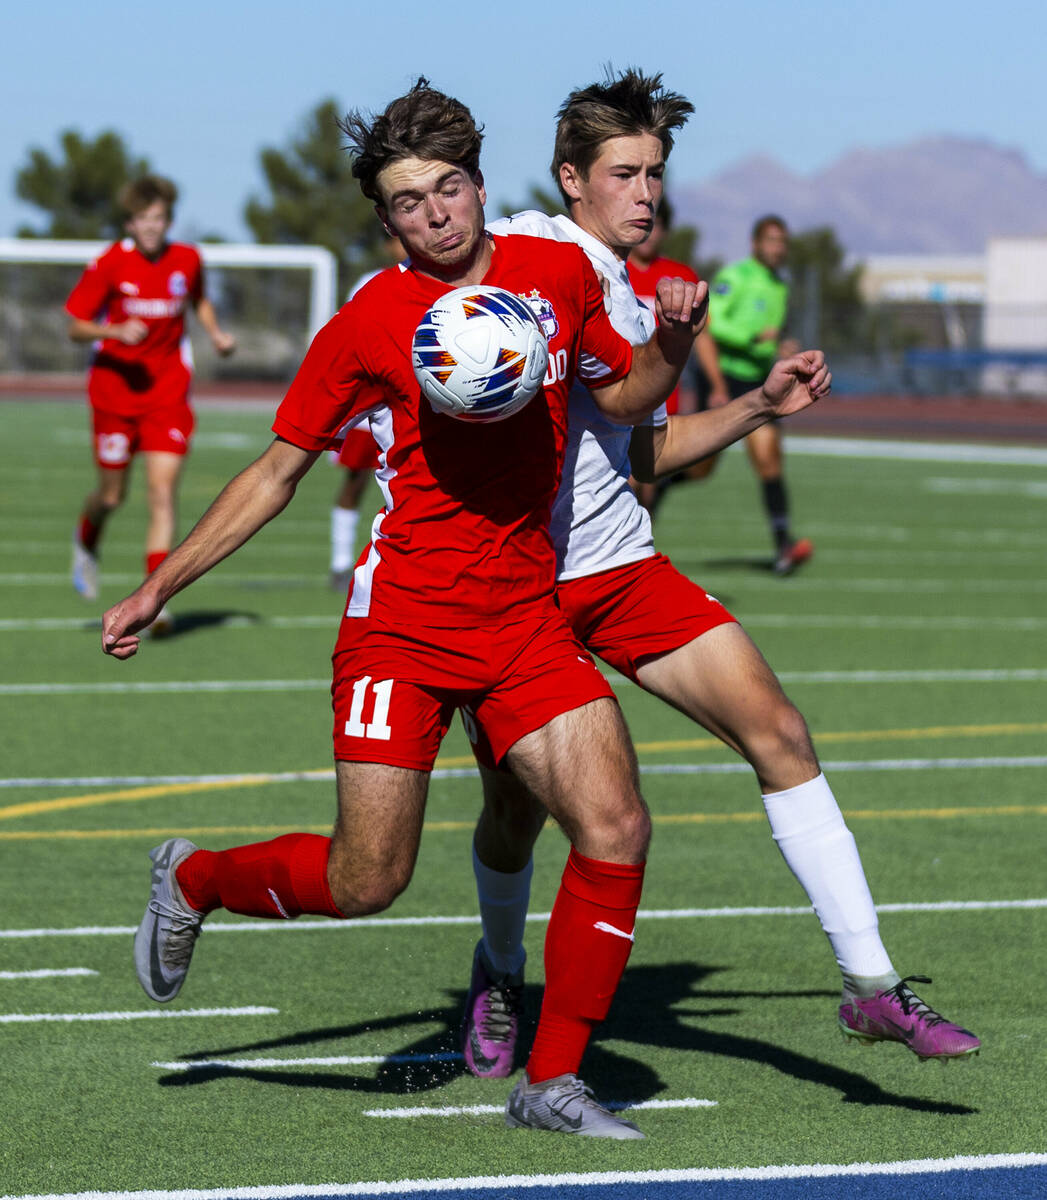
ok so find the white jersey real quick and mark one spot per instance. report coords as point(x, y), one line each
point(597, 522)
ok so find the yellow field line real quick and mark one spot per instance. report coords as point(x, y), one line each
point(63, 803)
point(865, 735)
point(260, 832)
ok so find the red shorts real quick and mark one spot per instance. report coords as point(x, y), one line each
point(395, 689)
point(359, 451)
point(117, 437)
point(134, 386)
point(633, 613)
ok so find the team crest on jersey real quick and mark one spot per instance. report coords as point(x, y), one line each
point(544, 311)
point(128, 289)
point(176, 284)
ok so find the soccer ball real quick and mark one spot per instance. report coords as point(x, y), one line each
point(479, 354)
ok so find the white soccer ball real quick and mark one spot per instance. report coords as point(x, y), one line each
point(479, 354)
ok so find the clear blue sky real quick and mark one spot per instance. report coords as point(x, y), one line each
point(199, 87)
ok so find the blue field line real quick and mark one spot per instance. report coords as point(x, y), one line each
point(1015, 1183)
point(1007, 1176)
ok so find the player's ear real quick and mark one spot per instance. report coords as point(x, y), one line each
point(383, 216)
point(481, 191)
point(569, 178)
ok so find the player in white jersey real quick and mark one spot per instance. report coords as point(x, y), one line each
point(628, 604)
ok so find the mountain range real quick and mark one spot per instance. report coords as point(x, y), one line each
point(938, 195)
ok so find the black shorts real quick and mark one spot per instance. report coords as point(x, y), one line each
point(735, 387)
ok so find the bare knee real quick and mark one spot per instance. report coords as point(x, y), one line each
point(160, 499)
point(781, 751)
point(613, 832)
point(360, 892)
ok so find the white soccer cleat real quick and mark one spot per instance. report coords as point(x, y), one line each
point(84, 570)
point(161, 625)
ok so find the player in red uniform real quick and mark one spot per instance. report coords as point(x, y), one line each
point(453, 604)
point(132, 301)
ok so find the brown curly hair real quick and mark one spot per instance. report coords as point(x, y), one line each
point(424, 123)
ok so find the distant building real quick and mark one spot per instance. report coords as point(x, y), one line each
point(1015, 315)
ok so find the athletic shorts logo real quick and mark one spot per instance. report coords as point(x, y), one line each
point(176, 435)
point(114, 449)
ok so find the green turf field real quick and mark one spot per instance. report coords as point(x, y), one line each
point(914, 643)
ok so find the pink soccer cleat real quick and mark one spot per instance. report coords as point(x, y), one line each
point(897, 1014)
point(491, 1021)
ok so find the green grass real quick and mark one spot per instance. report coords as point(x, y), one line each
point(911, 575)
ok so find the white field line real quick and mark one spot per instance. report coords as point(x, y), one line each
point(901, 585)
point(950, 486)
point(988, 556)
point(167, 687)
point(336, 1060)
point(218, 579)
point(139, 1015)
point(59, 624)
point(503, 1183)
point(830, 447)
point(48, 973)
point(752, 620)
point(649, 914)
point(440, 773)
point(216, 440)
point(483, 1110)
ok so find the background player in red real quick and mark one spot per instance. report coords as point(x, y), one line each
point(646, 265)
point(132, 301)
point(452, 605)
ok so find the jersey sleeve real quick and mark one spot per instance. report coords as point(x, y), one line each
point(326, 394)
point(88, 299)
point(605, 356)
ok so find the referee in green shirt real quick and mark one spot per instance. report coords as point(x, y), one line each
point(747, 305)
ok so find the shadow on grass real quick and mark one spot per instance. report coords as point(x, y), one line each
point(655, 1008)
point(201, 618)
point(764, 565)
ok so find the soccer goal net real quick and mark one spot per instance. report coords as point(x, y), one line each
point(273, 298)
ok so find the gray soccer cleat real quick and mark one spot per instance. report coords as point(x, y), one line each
point(564, 1105)
point(164, 941)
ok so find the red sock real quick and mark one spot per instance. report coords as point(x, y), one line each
point(584, 960)
point(152, 561)
point(87, 532)
point(282, 878)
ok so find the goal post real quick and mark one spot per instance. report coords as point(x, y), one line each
point(274, 298)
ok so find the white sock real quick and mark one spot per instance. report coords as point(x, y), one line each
point(820, 850)
point(343, 537)
point(503, 911)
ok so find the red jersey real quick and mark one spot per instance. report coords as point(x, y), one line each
point(645, 284)
point(123, 283)
point(464, 532)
